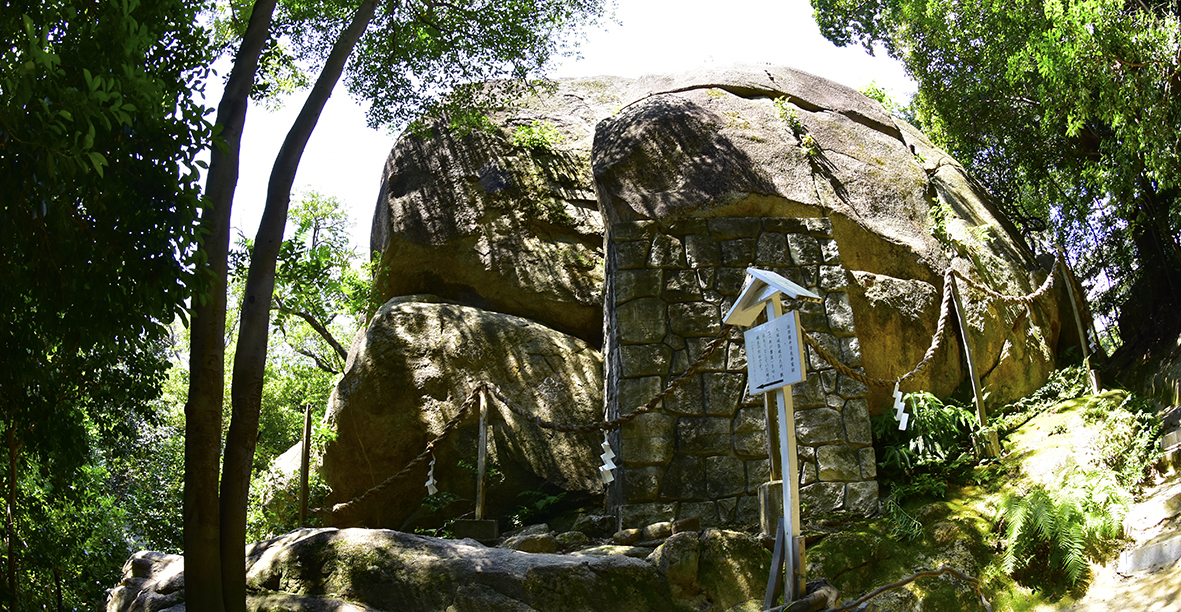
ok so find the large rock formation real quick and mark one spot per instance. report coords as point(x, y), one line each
point(502, 218)
point(361, 570)
point(759, 141)
point(412, 370)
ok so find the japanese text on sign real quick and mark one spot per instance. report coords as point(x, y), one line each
point(773, 354)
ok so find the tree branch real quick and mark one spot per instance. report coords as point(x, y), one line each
point(315, 324)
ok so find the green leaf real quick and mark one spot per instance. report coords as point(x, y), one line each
point(98, 161)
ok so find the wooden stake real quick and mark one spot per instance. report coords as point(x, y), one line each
point(1078, 322)
point(788, 466)
point(481, 459)
point(959, 313)
point(987, 442)
point(304, 467)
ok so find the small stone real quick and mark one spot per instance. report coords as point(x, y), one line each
point(595, 525)
point(630, 255)
point(687, 399)
point(869, 463)
point(730, 280)
point(632, 230)
point(641, 321)
point(739, 252)
point(829, 251)
point(703, 435)
point(648, 439)
point(638, 515)
point(858, 429)
point(861, 497)
point(680, 286)
point(785, 225)
point(757, 473)
point(819, 426)
point(804, 250)
point(725, 476)
point(840, 314)
point(851, 351)
point(823, 497)
point(632, 284)
point(722, 392)
point(642, 483)
point(534, 543)
point(702, 252)
point(645, 359)
point(692, 523)
point(772, 250)
point(832, 278)
point(627, 537)
point(636, 392)
point(657, 531)
point(667, 252)
point(685, 479)
point(694, 319)
point(706, 512)
point(723, 228)
point(838, 463)
point(572, 539)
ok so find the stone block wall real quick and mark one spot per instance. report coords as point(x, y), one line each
point(705, 453)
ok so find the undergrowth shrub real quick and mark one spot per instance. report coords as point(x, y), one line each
point(935, 447)
point(1049, 532)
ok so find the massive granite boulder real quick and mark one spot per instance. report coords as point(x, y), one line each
point(361, 570)
point(503, 218)
point(411, 371)
point(760, 141)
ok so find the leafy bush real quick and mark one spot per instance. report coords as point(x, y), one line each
point(938, 432)
point(537, 135)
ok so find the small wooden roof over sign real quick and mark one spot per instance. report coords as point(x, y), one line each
point(762, 285)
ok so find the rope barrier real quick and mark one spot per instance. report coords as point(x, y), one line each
point(466, 407)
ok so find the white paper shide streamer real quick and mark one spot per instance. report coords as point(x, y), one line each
point(608, 465)
point(900, 409)
point(431, 489)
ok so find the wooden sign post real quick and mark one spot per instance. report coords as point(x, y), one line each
point(775, 361)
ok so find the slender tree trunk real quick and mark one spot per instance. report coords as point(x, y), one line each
point(254, 323)
point(10, 521)
point(207, 353)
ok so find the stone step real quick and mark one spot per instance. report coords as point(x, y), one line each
point(1170, 441)
point(1151, 556)
point(1170, 452)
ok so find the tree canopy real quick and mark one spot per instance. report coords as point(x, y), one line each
point(1068, 110)
point(98, 144)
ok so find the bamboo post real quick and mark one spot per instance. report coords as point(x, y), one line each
point(481, 460)
point(304, 467)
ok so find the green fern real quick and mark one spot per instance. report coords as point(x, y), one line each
point(1058, 528)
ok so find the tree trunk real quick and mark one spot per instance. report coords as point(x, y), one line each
point(254, 323)
point(207, 352)
point(10, 521)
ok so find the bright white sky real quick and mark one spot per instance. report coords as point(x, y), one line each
point(344, 158)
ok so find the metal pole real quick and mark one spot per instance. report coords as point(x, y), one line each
point(481, 460)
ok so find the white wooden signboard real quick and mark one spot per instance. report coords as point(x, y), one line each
point(773, 352)
point(774, 361)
